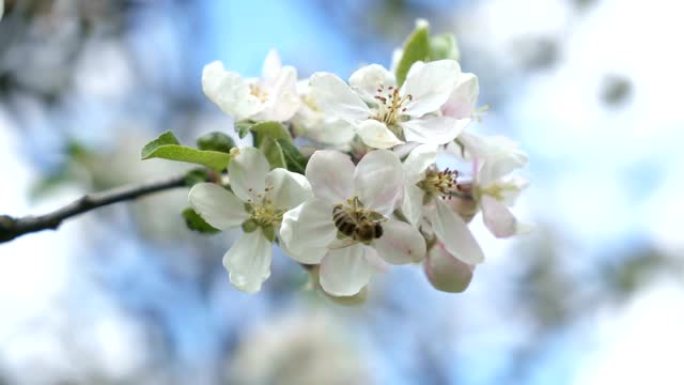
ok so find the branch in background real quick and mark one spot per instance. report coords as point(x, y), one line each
point(11, 228)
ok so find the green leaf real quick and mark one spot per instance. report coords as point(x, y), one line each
point(443, 47)
point(215, 141)
point(272, 130)
point(166, 146)
point(294, 160)
point(164, 139)
point(196, 176)
point(273, 152)
point(416, 48)
point(195, 222)
point(242, 128)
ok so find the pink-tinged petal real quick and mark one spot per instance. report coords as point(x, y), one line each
point(331, 174)
point(418, 161)
point(307, 230)
point(346, 271)
point(375, 134)
point(454, 233)
point(287, 189)
point(498, 218)
point(446, 272)
point(379, 181)
point(217, 206)
point(412, 204)
point(249, 261)
point(400, 243)
point(462, 102)
point(430, 86)
point(333, 96)
point(433, 129)
point(368, 79)
point(229, 91)
point(247, 173)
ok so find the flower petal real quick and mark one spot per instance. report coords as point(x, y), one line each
point(375, 134)
point(379, 181)
point(249, 261)
point(307, 230)
point(282, 101)
point(400, 243)
point(446, 272)
point(422, 157)
point(229, 91)
point(368, 79)
point(247, 174)
point(346, 271)
point(333, 96)
point(454, 233)
point(216, 205)
point(463, 99)
point(433, 129)
point(498, 218)
point(412, 204)
point(331, 175)
point(430, 85)
point(287, 189)
point(271, 67)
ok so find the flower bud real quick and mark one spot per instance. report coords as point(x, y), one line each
point(446, 272)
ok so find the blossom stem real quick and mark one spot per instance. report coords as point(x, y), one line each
point(11, 227)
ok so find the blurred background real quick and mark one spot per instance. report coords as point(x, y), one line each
point(127, 295)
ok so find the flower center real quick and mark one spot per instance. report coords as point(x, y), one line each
point(264, 214)
point(356, 222)
point(391, 105)
point(258, 92)
point(439, 182)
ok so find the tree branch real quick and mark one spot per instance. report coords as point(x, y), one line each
point(11, 228)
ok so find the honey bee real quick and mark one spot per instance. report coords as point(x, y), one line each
point(356, 225)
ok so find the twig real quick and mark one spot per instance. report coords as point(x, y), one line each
point(11, 227)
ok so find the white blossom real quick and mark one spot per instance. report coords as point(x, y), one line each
point(445, 271)
point(385, 115)
point(495, 187)
point(312, 123)
point(348, 224)
point(426, 193)
point(271, 97)
point(257, 202)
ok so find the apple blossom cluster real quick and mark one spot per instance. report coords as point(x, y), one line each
point(343, 175)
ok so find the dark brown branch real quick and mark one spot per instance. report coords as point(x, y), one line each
point(11, 228)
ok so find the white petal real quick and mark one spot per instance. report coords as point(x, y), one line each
point(375, 134)
point(287, 189)
point(331, 175)
point(346, 271)
point(430, 86)
point(247, 173)
point(217, 206)
point(271, 67)
point(463, 99)
point(412, 204)
point(282, 101)
point(433, 129)
point(446, 272)
point(368, 79)
point(307, 230)
point(454, 233)
point(229, 91)
point(498, 218)
point(379, 181)
point(400, 243)
point(331, 131)
point(249, 261)
point(334, 97)
point(422, 157)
